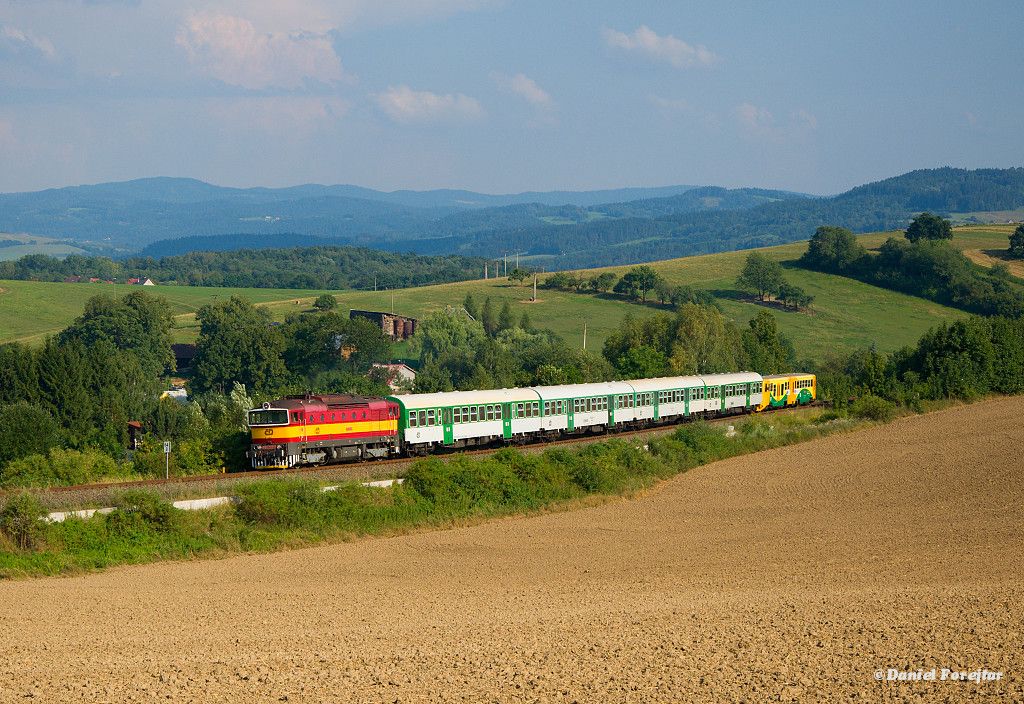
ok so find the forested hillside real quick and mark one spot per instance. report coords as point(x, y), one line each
point(331, 267)
point(677, 221)
point(885, 205)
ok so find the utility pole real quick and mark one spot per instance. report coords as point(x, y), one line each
point(535, 287)
point(375, 283)
point(504, 258)
point(485, 271)
point(584, 335)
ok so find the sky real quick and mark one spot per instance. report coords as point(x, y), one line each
point(505, 96)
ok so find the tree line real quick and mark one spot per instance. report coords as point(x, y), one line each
point(923, 263)
point(334, 267)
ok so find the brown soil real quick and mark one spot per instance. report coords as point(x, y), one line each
point(790, 575)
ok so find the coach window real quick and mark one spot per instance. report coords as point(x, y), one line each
point(472, 414)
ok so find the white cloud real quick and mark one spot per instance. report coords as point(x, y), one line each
point(524, 87)
point(325, 15)
point(19, 43)
point(667, 49)
point(230, 49)
point(803, 117)
point(754, 118)
point(403, 104)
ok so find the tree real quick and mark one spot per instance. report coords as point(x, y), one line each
point(487, 318)
point(647, 279)
point(603, 282)
point(26, 429)
point(505, 319)
point(832, 249)
point(518, 275)
point(525, 323)
point(562, 281)
point(760, 275)
point(637, 282)
point(469, 305)
point(663, 290)
point(325, 302)
point(138, 322)
point(794, 296)
point(768, 351)
point(929, 227)
point(237, 343)
point(1017, 242)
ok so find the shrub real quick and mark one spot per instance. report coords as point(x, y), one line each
point(60, 468)
point(290, 503)
point(871, 407)
point(21, 521)
point(141, 511)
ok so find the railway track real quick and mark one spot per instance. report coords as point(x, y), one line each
point(373, 469)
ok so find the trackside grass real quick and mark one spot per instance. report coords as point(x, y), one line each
point(277, 514)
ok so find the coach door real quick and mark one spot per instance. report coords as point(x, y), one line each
point(721, 396)
point(506, 420)
point(611, 410)
point(570, 410)
point(446, 423)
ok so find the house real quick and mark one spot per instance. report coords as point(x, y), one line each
point(184, 353)
point(178, 394)
point(134, 434)
point(147, 282)
point(133, 282)
point(397, 327)
point(399, 377)
point(72, 279)
point(93, 280)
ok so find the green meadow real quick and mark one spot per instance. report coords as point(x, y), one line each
point(845, 314)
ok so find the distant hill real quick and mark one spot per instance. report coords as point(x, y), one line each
point(133, 213)
point(557, 229)
point(645, 235)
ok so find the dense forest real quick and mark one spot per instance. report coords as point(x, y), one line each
point(300, 268)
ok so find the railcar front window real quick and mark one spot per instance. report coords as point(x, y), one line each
point(268, 416)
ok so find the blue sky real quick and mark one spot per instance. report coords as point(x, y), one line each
point(503, 96)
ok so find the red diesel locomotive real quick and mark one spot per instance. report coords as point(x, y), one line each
point(322, 428)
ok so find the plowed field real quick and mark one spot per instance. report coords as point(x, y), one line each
point(793, 574)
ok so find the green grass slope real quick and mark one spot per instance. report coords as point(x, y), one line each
point(845, 314)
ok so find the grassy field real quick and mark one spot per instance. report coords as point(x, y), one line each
point(30, 310)
point(35, 245)
point(845, 314)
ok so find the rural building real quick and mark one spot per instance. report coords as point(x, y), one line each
point(397, 327)
point(398, 376)
point(177, 393)
point(184, 353)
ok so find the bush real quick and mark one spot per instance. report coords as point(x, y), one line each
point(142, 512)
point(60, 468)
point(21, 521)
point(871, 407)
point(289, 503)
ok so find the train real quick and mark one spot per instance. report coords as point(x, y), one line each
point(317, 429)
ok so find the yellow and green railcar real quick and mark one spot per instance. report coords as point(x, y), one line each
point(782, 390)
